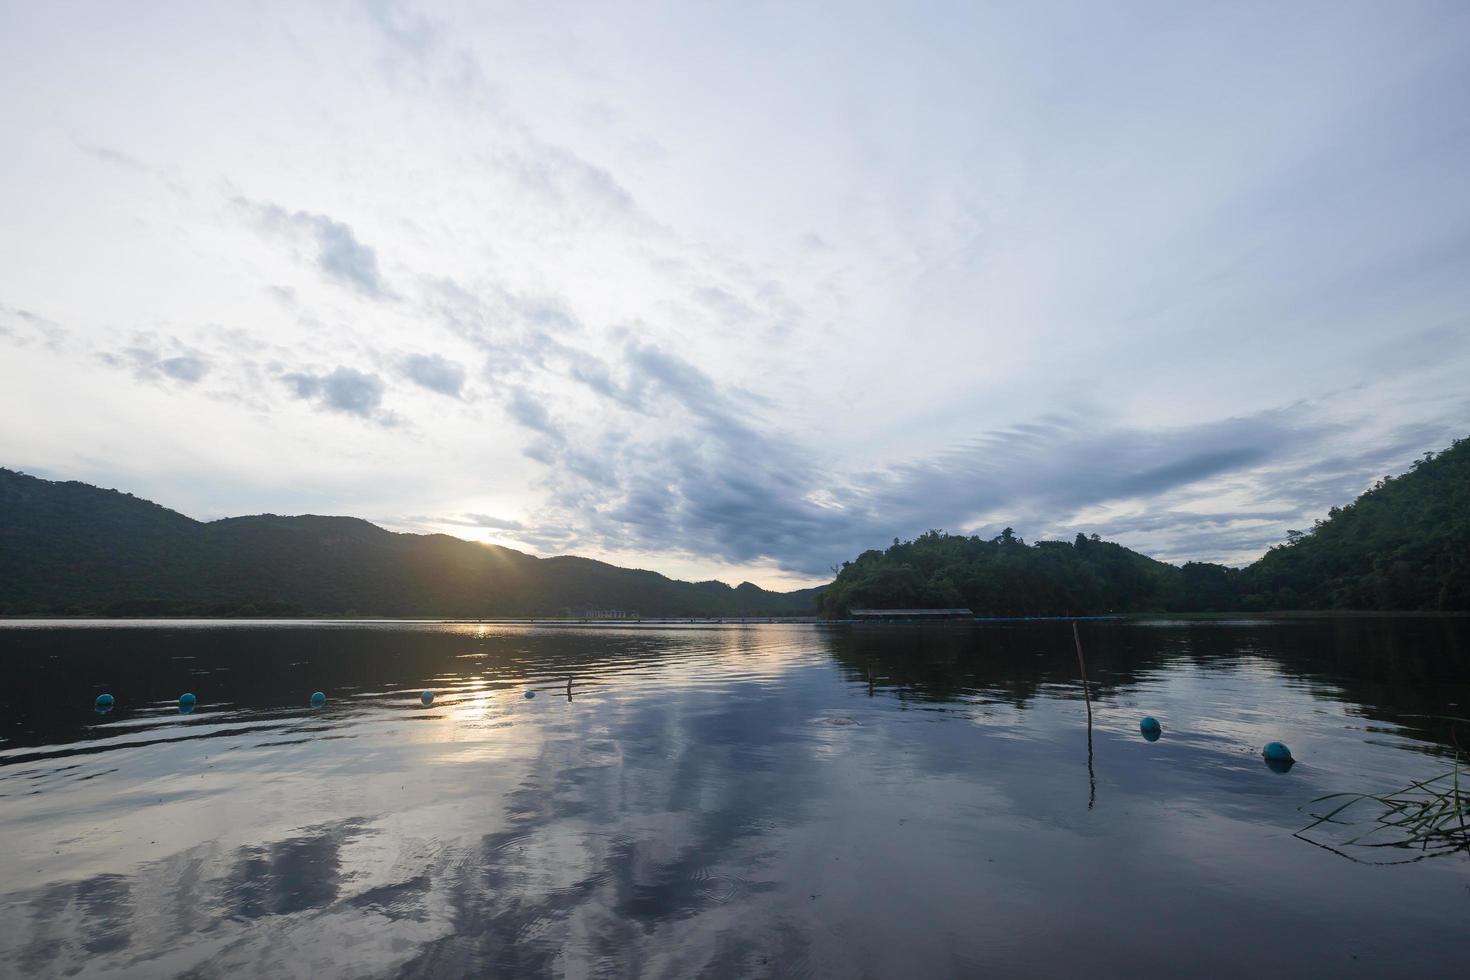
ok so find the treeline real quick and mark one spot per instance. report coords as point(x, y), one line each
point(1403, 545)
point(1004, 576)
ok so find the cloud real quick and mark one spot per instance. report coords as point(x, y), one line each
point(724, 484)
point(560, 178)
point(434, 373)
point(116, 158)
point(501, 524)
point(339, 254)
point(472, 520)
point(127, 163)
point(526, 410)
point(186, 368)
point(343, 257)
point(729, 307)
point(650, 367)
point(24, 328)
point(149, 363)
point(518, 332)
point(343, 390)
point(408, 30)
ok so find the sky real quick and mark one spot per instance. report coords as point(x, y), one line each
point(738, 290)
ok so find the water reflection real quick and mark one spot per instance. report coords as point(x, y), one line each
point(1087, 700)
point(740, 801)
point(286, 876)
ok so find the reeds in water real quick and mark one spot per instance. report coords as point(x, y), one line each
point(1430, 816)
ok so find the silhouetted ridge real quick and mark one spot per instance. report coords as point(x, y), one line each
point(74, 549)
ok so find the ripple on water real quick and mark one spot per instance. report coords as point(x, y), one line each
point(713, 888)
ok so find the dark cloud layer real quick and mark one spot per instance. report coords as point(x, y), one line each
point(732, 487)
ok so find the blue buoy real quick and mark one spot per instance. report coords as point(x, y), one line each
point(1151, 728)
point(318, 699)
point(104, 703)
point(1278, 757)
point(186, 709)
point(186, 700)
point(530, 694)
point(1276, 752)
point(427, 697)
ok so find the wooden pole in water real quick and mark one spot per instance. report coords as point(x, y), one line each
point(1087, 697)
point(1082, 666)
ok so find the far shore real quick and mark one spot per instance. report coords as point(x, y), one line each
point(133, 621)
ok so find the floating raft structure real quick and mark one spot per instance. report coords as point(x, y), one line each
point(909, 615)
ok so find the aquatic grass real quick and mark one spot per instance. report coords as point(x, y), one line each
point(1431, 816)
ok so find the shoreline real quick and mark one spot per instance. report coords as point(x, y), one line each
point(20, 622)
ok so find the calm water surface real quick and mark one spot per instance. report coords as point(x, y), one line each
point(717, 800)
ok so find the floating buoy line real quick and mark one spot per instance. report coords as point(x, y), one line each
point(1277, 755)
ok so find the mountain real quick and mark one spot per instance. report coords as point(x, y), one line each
point(1403, 545)
point(74, 549)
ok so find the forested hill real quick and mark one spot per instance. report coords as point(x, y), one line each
point(1004, 576)
point(75, 549)
point(1403, 545)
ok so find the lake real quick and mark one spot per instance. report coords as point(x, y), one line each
point(720, 800)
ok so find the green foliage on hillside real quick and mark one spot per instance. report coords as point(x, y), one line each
point(74, 549)
point(1003, 576)
point(1404, 544)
